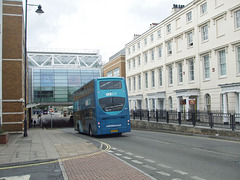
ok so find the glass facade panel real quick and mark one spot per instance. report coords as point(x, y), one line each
point(58, 85)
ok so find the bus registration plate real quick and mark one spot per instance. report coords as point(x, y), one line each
point(116, 130)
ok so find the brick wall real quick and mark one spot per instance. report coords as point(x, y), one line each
point(13, 66)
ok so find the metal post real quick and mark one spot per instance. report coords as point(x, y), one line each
point(167, 117)
point(51, 121)
point(134, 114)
point(25, 75)
point(140, 114)
point(211, 120)
point(157, 115)
point(179, 118)
point(193, 119)
point(232, 121)
point(148, 113)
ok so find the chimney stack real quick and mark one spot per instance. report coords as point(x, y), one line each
point(177, 7)
point(153, 25)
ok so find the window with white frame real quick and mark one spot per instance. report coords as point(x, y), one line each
point(129, 84)
point(191, 70)
point(145, 41)
point(152, 37)
point(116, 72)
point(109, 74)
point(153, 79)
point(146, 80)
point(205, 32)
point(203, 8)
point(139, 60)
point(133, 48)
point(206, 66)
point(129, 51)
point(169, 47)
point(189, 16)
point(129, 64)
point(208, 102)
point(168, 28)
point(170, 103)
point(160, 51)
point(146, 103)
point(134, 63)
point(146, 57)
point(180, 72)
point(153, 104)
point(160, 77)
point(237, 19)
point(159, 33)
point(170, 74)
point(238, 58)
point(152, 54)
point(134, 83)
point(139, 45)
point(139, 82)
point(222, 62)
point(190, 39)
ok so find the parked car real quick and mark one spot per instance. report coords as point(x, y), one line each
point(45, 112)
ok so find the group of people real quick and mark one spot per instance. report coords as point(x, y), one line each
point(34, 122)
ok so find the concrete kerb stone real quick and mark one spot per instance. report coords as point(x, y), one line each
point(158, 126)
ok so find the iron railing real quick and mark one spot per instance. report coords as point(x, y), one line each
point(211, 119)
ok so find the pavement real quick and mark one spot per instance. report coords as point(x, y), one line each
point(77, 157)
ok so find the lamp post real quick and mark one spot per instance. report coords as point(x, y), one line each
point(39, 11)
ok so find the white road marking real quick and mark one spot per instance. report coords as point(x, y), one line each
point(162, 142)
point(114, 148)
point(149, 160)
point(180, 172)
point(126, 157)
point(163, 173)
point(25, 177)
point(197, 178)
point(128, 153)
point(140, 157)
point(117, 154)
point(164, 166)
point(110, 151)
point(119, 150)
point(206, 150)
point(149, 167)
point(137, 162)
point(176, 179)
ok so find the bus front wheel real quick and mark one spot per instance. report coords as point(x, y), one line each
point(90, 131)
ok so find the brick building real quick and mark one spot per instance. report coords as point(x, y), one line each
point(12, 60)
point(116, 65)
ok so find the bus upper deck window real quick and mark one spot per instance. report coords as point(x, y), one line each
point(110, 85)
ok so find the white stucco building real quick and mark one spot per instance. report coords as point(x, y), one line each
point(192, 55)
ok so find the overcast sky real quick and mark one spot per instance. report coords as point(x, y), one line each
point(105, 25)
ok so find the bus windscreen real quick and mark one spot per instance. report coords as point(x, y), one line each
point(109, 104)
point(104, 85)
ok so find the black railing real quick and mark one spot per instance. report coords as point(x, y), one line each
point(211, 119)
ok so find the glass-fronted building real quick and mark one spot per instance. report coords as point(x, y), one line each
point(54, 76)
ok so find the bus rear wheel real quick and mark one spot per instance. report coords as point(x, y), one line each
point(90, 131)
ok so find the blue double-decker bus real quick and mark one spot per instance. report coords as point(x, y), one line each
point(101, 107)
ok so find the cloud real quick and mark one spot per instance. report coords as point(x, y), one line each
point(106, 25)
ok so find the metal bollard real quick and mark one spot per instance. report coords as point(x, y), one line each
point(211, 120)
point(167, 117)
point(140, 114)
point(179, 118)
point(148, 115)
point(134, 114)
point(157, 115)
point(193, 119)
point(232, 122)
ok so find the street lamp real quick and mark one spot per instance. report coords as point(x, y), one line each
point(39, 11)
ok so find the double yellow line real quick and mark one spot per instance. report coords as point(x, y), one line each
point(60, 160)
